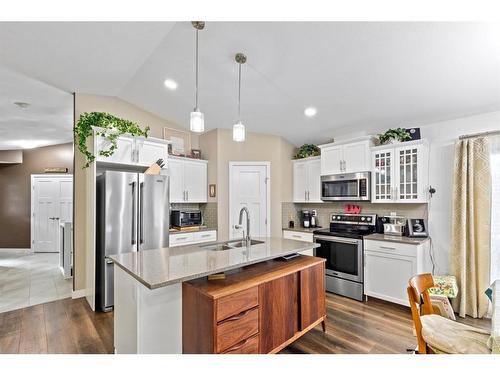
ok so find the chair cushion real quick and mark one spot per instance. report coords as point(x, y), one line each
point(447, 336)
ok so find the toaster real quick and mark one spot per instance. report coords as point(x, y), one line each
point(393, 225)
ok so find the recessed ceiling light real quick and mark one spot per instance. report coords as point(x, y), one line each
point(170, 84)
point(310, 111)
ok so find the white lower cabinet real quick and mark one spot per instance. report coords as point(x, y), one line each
point(180, 239)
point(389, 265)
point(300, 236)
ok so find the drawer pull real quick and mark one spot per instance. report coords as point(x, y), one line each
point(237, 317)
point(238, 346)
point(296, 236)
point(205, 235)
point(387, 247)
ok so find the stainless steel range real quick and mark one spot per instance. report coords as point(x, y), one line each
point(342, 247)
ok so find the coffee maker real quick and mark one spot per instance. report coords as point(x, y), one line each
point(306, 219)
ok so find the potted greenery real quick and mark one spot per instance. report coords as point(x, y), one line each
point(112, 128)
point(307, 150)
point(394, 136)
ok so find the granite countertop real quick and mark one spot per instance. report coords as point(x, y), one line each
point(201, 229)
point(399, 239)
point(161, 267)
point(304, 230)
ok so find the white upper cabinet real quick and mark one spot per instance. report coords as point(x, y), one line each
point(124, 152)
point(345, 158)
point(400, 173)
point(176, 172)
point(332, 160)
point(149, 150)
point(133, 150)
point(188, 180)
point(306, 180)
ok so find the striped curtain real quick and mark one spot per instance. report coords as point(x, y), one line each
point(471, 225)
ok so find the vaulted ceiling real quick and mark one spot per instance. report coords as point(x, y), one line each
point(361, 76)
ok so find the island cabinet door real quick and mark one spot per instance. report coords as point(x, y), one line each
point(312, 295)
point(278, 301)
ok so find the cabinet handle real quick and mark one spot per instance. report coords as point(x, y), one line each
point(237, 346)
point(308, 195)
point(187, 195)
point(387, 247)
point(296, 236)
point(237, 317)
point(205, 235)
point(305, 195)
point(340, 165)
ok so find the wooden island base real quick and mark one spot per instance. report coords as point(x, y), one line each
point(259, 309)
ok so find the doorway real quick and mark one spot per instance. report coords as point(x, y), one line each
point(51, 207)
point(250, 187)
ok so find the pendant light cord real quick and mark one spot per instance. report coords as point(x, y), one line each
point(196, 87)
point(239, 92)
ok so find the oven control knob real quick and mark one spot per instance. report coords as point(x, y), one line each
point(362, 218)
point(368, 219)
point(338, 217)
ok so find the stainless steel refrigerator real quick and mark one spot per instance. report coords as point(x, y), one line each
point(132, 214)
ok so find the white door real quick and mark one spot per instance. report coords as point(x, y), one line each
point(52, 202)
point(314, 181)
point(195, 181)
point(249, 187)
point(150, 151)
point(356, 157)
point(176, 171)
point(300, 181)
point(331, 160)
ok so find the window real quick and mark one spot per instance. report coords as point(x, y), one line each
point(495, 207)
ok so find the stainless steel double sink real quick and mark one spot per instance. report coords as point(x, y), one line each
point(228, 245)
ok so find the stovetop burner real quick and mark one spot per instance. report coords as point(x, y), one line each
point(350, 225)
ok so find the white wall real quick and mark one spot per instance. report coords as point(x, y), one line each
point(442, 136)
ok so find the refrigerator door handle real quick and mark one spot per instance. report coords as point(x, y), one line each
point(141, 213)
point(134, 214)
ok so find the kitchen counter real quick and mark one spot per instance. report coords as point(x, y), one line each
point(201, 229)
point(161, 267)
point(398, 239)
point(303, 230)
point(148, 286)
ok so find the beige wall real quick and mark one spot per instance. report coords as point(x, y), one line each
point(15, 190)
point(83, 226)
point(219, 147)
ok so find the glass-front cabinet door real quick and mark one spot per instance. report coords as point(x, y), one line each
point(400, 173)
point(407, 184)
point(382, 175)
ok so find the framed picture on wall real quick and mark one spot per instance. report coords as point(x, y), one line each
point(181, 141)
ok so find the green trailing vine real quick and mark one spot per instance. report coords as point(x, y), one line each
point(307, 150)
point(399, 134)
point(112, 126)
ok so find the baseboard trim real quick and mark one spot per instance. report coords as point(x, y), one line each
point(80, 293)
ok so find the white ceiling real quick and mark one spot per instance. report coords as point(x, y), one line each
point(48, 120)
point(361, 76)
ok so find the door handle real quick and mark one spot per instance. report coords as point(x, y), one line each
point(141, 216)
point(134, 224)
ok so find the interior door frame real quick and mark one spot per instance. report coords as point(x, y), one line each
point(34, 177)
point(266, 164)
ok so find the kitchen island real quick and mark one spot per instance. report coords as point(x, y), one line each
point(148, 287)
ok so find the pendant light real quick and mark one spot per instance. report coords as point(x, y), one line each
point(239, 128)
point(197, 118)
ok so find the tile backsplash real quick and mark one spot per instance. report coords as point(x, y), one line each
point(291, 211)
point(208, 211)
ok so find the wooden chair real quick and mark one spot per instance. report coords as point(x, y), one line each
point(446, 336)
point(420, 304)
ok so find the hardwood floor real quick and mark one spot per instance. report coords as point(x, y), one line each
point(70, 326)
point(63, 326)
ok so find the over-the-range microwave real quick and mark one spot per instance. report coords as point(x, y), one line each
point(346, 187)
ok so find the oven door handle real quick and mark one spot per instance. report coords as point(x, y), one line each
point(338, 239)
